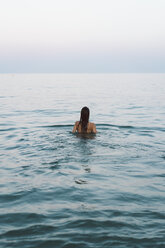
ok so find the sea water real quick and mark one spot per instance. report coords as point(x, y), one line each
point(63, 190)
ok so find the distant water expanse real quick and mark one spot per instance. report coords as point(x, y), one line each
point(67, 191)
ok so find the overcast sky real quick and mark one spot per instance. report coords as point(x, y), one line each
point(82, 36)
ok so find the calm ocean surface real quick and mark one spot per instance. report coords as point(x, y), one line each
point(61, 190)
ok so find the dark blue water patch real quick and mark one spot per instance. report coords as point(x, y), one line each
point(6, 198)
point(147, 214)
point(20, 197)
point(135, 198)
point(45, 193)
point(33, 230)
point(15, 219)
point(98, 224)
point(34, 243)
point(103, 239)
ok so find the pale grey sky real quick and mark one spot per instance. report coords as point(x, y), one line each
point(82, 36)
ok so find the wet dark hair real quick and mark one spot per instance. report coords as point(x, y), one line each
point(84, 118)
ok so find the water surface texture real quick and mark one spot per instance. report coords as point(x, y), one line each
point(63, 190)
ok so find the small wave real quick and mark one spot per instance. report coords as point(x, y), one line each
point(150, 214)
point(97, 125)
point(91, 223)
point(11, 218)
point(52, 126)
point(144, 128)
point(53, 165)
point(12, 197)
point(102, 125)
point(16, 196)
point(12, 129)
point(80, 181)
point(108, 126)
point(8, 129)
point(29, 231)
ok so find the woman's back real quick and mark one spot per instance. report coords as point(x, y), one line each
point(91, 128)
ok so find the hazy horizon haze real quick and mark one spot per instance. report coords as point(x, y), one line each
point(89, 36)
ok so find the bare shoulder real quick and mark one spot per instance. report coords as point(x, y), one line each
point(92, 127)
point(77, 123)
point(91, 124)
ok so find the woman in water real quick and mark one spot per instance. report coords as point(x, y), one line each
point(84, 126)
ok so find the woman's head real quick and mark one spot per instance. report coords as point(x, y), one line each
point(85, 114)
point(84, 118)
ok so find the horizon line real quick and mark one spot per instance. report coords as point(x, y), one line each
point(82, 72)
